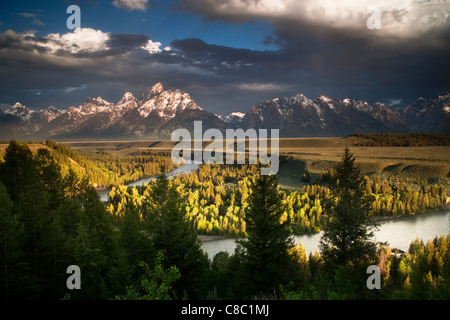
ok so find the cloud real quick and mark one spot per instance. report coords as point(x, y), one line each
point(81, 39)
point(27, 15)
point(130, 5)
point(321, 48)
point(33, 17)
point(83, 62)
point(72, 89)
point(261, 87)
point(81, 45)
point(394, 102)
point(402, 18)
point(152, 47)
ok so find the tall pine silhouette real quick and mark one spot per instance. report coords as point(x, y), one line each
point(265, 251)
point(348, 233)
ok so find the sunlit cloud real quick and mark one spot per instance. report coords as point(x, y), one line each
point(130, 5)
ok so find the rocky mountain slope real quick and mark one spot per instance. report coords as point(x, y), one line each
point(158, 112)
point(155, 114)
point(299, 116)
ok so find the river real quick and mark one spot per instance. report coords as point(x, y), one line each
point(398, 232)
point(186, 168)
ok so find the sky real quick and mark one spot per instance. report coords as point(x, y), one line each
point(227, 54)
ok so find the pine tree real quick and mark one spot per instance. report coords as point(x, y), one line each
point(50, 172)
point(17, 169)
point(176, 237)
point(13, 269)
point(350, 227)
point(135, 243)
point(266, 250)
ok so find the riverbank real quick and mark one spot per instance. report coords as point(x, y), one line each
point(445, 208)
point(398, 233)
point(207, 238)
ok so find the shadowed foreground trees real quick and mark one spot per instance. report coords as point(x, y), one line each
point(59, 221)
point(49, 221)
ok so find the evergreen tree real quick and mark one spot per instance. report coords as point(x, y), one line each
point(14, 272)
point(18, 168)
point(175, 236)
point(265, 253)
point(50, 172)
point(348, 233)
point(135, 242)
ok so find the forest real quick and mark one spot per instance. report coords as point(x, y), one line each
point(217, 197)
point(103, 169)
point(400, 139)
point(143, 243)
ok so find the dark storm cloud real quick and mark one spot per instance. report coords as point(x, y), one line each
point(220, 59)
point(127, 41)
point(324, 52)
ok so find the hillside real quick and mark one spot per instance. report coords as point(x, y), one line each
point(103, 169)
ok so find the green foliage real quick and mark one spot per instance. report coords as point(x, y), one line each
point(175, 236)
point(103, 169)
point(13, 271)
point(217, 196)
point(51, 217)
point(156, 283)
point(350, 228)
point(56, 222)
point(424, 271)
point(265, 252)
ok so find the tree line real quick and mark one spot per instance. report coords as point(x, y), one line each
point(400, 139)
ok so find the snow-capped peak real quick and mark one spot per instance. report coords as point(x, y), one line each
point(325, 98)
point(237, 114)
point(234, 118)
point(128, 96)
point(101, 101)
point(153, 91)
point(166, 103)
point(157, 88)
point(20, 111)
point(445, 96)
point(52, 108)
point(17, 105)
point(300, 97)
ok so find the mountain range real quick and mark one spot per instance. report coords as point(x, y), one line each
point(159, 111)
